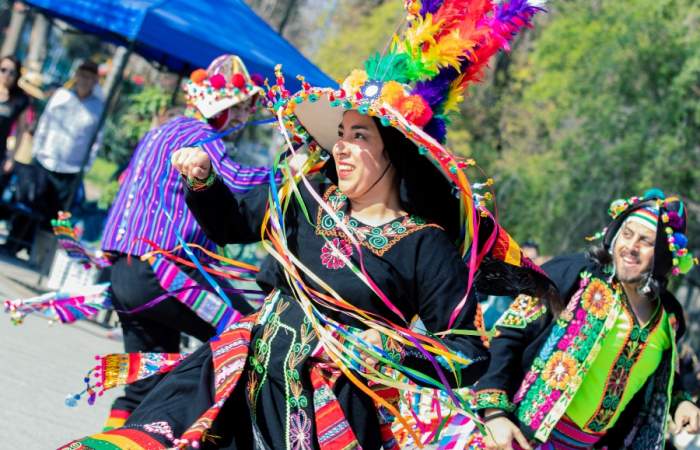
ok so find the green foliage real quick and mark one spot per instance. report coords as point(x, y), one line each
point(598, 101)
point(101, 174)
point(601, 104)
point(358, 36)
point(134, 116)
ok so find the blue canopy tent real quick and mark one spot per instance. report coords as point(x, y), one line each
point(184, 34)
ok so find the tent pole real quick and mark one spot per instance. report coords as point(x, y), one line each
point(286, 17)
point(176, 90)
point(116, 79)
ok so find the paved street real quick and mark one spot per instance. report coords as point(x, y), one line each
point(39, 365)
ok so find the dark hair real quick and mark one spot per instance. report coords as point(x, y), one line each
point(530, 244)
point(14, 89)
point(423, 190)
point(88, 66)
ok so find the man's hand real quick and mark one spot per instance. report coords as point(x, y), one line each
point(500, 433)
point(192, 162)
point(687, 418)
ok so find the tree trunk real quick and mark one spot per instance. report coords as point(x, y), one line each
point(14, 30)
point(38, 43)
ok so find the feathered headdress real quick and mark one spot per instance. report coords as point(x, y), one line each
point(423, 76)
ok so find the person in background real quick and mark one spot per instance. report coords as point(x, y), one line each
point(598, 366)
point(13, 101)
point(531, 249)
point(18, 163)
point(139, 220)
point(61, 145)
point(63, 137)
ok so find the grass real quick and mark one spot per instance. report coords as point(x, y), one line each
point(101, 172)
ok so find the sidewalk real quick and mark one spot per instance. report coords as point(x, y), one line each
point(41, 364)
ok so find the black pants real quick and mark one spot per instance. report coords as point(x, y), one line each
point(45, 192)
point(156, 329)
point(53, 190)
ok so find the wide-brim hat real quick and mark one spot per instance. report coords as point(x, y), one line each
point(31, 83)
point(671, 253)
point(413, 88)
point(223, 85)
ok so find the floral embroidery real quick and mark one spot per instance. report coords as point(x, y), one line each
point(295, 359)
point(261, 348)
point(522, 311)
point(161, 428)
point(559, 370)
point(300, 431)
point(493, 398)
point(377, 239)
point(331, 251)
point(597, 298)
point(393, 349)
point(572, 345)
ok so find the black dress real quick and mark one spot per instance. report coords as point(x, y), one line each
point(9, 112)
point(412, 262)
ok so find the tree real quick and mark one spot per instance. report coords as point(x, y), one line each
point(603, 106)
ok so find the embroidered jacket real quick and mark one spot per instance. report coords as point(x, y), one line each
point(538, 363)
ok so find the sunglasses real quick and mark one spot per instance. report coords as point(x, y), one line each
point(8, 71)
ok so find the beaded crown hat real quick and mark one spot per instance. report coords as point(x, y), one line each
point(224, 84)
point(671, 253)
point(414, 86)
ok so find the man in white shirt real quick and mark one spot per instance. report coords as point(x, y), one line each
point(61, 145)
point(63, 135)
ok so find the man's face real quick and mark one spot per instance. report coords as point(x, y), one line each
point(234, 116)
point(85, 82)
point(633, 252)
point(530, 252)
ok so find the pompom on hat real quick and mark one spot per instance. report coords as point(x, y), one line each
point(413, 87)
point(224, 84)
point(671, 254)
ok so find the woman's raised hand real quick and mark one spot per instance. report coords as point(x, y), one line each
point(192, 162)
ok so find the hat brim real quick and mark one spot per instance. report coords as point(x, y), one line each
point(209, 107)
point(319, 113)
point(321, 120)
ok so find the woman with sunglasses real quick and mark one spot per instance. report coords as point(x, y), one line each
point(13, 101)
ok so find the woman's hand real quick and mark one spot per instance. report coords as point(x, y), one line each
point(501, 432)
point(192, 162)
point(374, 338)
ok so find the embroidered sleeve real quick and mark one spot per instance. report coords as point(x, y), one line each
point(493, 399)
point(519, 327)
point(523, 311)
point(393, 349)
point(195, 184)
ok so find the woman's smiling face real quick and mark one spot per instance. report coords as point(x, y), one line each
point(360, 159)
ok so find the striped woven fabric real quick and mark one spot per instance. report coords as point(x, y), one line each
point(208, 306)
point(229, 352)
point(122, 438)
point(332, 428)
